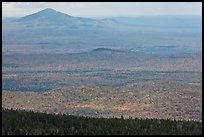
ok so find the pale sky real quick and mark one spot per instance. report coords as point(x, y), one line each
point(104, 9)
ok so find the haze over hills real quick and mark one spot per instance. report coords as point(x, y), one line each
point(171, 21)
point(51, 31)
point(55, 17)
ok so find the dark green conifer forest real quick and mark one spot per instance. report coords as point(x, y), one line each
point(21, 122)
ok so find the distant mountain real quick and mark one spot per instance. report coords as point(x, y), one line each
point(58, 28)
point(52, 31)
point(49, 17)
point(52, 16)
point(162, 21)
point(48, 14)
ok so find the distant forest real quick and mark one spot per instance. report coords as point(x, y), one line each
point(21, 122)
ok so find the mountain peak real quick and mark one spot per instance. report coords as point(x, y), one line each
point(48, 10)
point(48, 15)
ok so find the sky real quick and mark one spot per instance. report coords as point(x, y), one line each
point(104, 9)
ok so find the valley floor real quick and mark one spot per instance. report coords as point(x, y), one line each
point(151, 99)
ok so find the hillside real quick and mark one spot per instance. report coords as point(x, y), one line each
point(32, 123)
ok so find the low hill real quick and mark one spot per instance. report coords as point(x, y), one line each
point(106, 58)
point(104, 49)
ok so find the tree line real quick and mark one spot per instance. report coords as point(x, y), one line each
point(21, 122)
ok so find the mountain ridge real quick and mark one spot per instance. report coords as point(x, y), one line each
point(52, 16)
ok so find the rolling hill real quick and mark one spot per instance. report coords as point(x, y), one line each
point(101, 66)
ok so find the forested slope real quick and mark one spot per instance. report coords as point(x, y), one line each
point(16, 122)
